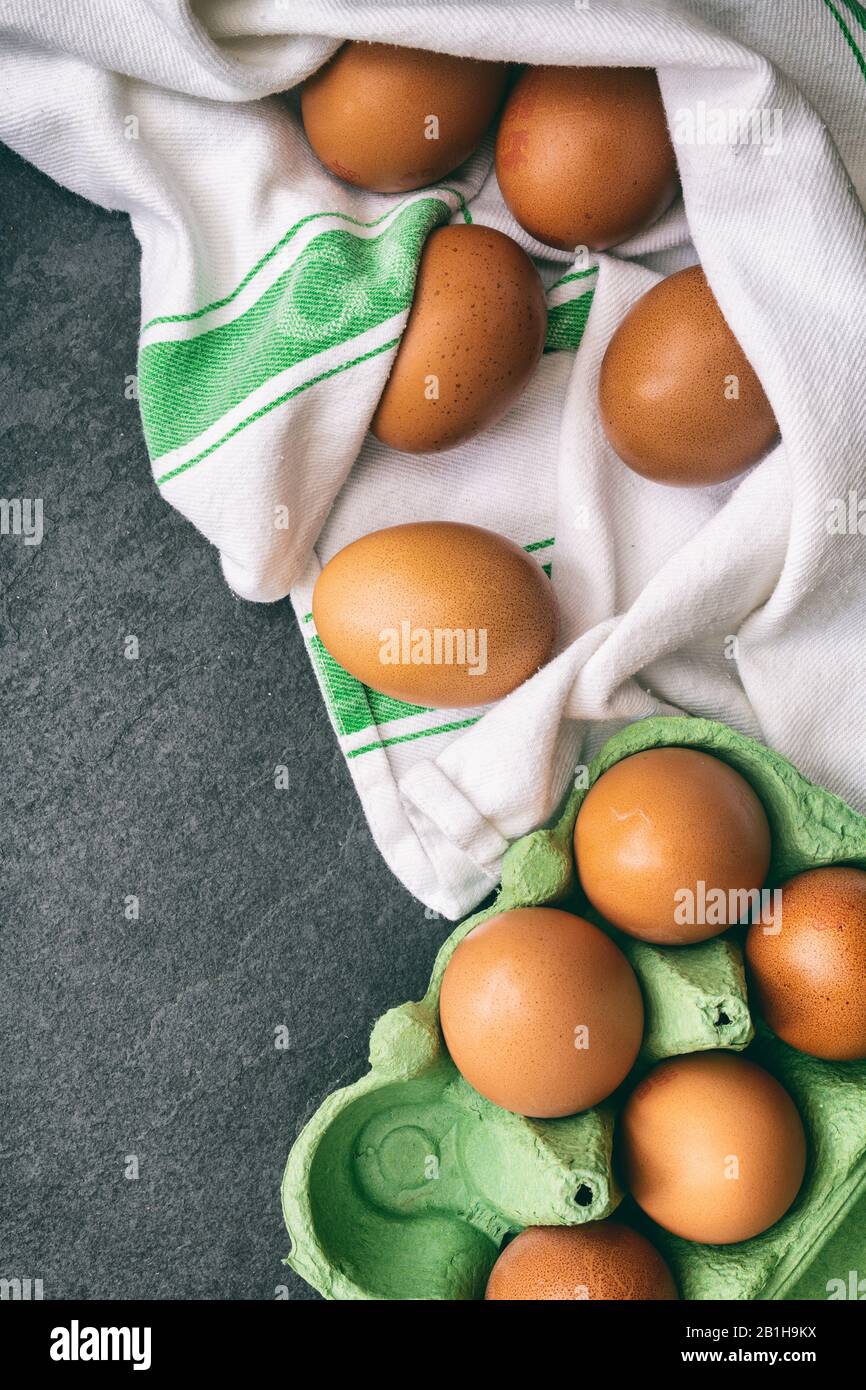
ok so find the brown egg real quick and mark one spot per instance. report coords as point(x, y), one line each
point(602, 1260)
point(712, 1147)
point(679, 401)
point(541, 1012)
point(391, 119)
point(474, 337)
point(668, 843)
point(809, 970)
point(437, 613)
point(583, 155)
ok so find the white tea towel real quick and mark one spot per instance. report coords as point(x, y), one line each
point(273, 297)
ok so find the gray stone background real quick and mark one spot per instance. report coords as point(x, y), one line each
point(259, 908)
point(154, 777)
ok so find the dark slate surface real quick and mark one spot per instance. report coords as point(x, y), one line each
point(258, 907)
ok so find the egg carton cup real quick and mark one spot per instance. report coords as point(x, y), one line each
point(405, 1184)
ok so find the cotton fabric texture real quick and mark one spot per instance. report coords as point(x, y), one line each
point(273, 299)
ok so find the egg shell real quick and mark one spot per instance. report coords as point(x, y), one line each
point(602, 1260)
point(474, 337)
point(583, 155)
point(658, 825)
point(448, 582)
point(395, 1238)
point(516, 996)
point(712, 1147)
point(367, 113)
point(810, 976)
point(666, 389)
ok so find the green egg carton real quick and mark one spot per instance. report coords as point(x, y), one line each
point(405, 1184)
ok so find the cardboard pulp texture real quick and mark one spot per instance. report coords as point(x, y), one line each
point(405, 1184)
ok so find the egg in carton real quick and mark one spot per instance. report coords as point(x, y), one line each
point(406, 1184)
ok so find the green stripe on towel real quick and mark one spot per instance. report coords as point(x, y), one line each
point(340, 286)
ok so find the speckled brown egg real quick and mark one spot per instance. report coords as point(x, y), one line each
point(436, 613)
point(679, 400)
point(391, 119)
point(583, 155)
point(712, 1147)
point(666, 842)
point(541, 1012)
point(474, 337)
point(603, 1260)
point(808, 970)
